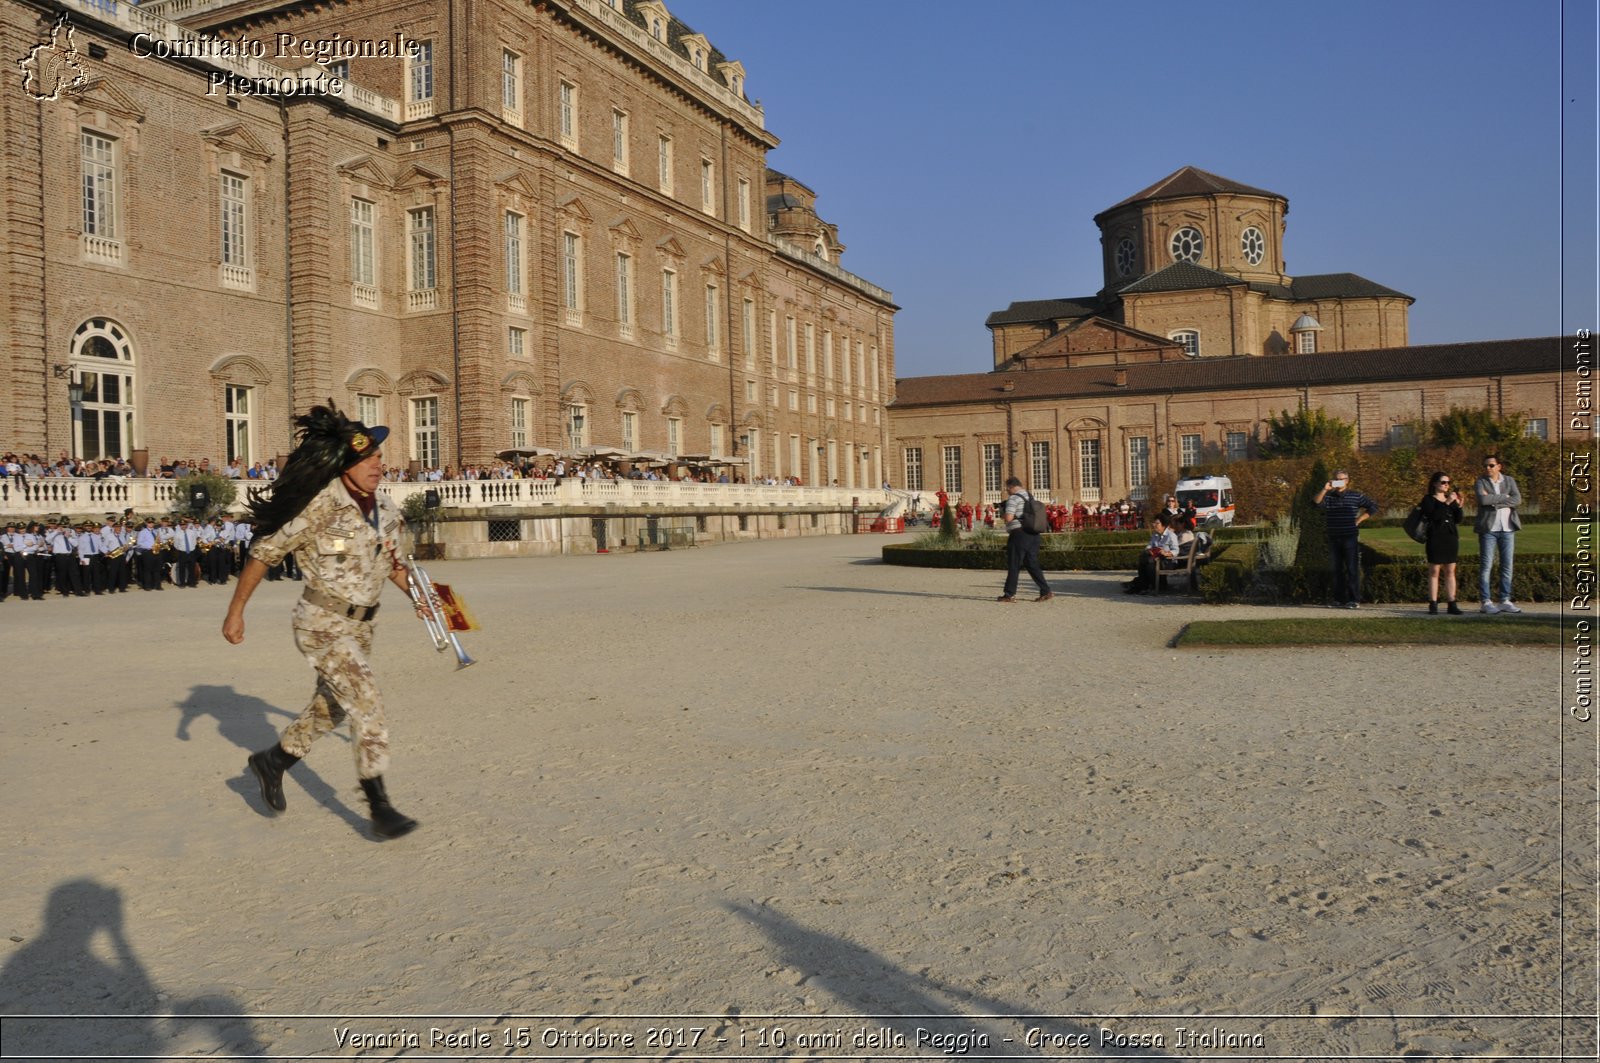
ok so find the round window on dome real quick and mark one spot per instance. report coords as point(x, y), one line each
point(1187, 244)
point(1254, 245)
point(1127, 257)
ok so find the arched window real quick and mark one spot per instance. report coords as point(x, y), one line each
point(1189, 339)
point(102, 362)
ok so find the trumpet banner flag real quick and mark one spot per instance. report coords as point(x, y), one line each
point(456, 613)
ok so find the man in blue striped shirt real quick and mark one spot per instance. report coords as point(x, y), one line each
point(1344, 509)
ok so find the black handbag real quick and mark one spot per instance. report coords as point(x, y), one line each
point(1416, 525)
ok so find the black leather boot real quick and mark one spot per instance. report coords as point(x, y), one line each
point(269, 766)
point(386, 822)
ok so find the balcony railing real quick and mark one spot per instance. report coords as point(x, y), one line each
point(74, 497)
point(426, 299)
point(100, 249)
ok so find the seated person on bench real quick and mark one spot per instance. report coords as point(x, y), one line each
point(1163, 550)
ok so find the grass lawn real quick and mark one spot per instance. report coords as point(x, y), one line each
point(1532, 539)
point(1442, 630)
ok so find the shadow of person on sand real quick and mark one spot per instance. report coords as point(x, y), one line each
point(876, 988)
point(246, 722)
point(100, 1008)
point(902, 594)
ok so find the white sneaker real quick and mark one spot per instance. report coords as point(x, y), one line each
point(1507, 607)
point(1490, 608)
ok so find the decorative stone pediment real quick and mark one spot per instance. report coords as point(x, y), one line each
point(573, 209)
point(423, 381)
point(751, 279)
point(629, 399)
point(242, 368)
point(419, 177)
point(364, 170)
point(516, 183)
point(674, 406)
point(717, 414)
point(670, 248)
point(100, 95)
point(576, 393)
point(236, 137)
point(623, 231)
point(713, 267)
point(369, 380)
point(519, 382)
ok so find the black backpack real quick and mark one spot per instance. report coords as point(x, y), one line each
point(1034, 517)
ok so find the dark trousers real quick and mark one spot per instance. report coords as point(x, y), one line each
point(1344, 557)
point(29, 573)
point(1022, 552)
point(69, 575)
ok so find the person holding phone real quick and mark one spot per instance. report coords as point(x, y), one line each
point(1344, 509)
point(1441, 508)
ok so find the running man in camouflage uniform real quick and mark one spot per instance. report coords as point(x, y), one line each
point(327, 509)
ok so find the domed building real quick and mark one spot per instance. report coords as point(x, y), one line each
point(1197, 260)
point(1197, 338)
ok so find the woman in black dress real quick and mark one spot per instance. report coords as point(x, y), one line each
point(1441, 508)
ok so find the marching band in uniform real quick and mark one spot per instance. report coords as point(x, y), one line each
point(106, 557)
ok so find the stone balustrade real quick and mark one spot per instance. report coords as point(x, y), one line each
point(84, 498)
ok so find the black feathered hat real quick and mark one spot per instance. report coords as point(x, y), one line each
point(329, 443)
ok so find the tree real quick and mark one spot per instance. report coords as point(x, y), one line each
point(220, 491)
point(1474, 429)
point(1306, 434)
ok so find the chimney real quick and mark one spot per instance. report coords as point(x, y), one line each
point(1121, 377)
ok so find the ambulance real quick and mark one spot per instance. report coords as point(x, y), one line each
point(1212, 497)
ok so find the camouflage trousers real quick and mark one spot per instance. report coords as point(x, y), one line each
point(336, 647)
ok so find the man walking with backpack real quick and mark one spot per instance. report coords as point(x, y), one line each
point(1025, 520)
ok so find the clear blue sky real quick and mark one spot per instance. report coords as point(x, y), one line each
point(963, 149)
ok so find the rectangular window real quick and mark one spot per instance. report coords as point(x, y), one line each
point(811, 352)
point(1139, 466)
point(99, 163)
point(625, 294)
point(369, 408)
point(236, 410)
point(772, 340)
point(708, 186)
point(425, 432)
point(794, 401)
point(619, 142)
point(340, 70)
point(789, 342)
point(630, 430)
point(1189, 448)
point(1537, 427)
point(1039, 465)
point(913, 468)
point(516, 344)
point(749, 391)
point(519, 422)
point(744, 204)
point(832, 408)
point(674, 436)
point(1089, 469)
point(1305, 343)
point(511, 82)
point(811, 403)
point(993, 468)
point(952, 469)
point(571, 274)
point(577, 426)
point(424, 273)
point(748, 323)
point(713, 334)
point(514, 254)
point(716, 441)
point(844, 359)
point(363, 243)
point(568, 116)
point(421, 64)
point(235, 237)
point(664, 163)
point(669, 304)
point(1237, 446)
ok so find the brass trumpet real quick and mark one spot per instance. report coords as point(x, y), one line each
point(433, 614)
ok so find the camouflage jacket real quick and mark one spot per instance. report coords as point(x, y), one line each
point(339, 551)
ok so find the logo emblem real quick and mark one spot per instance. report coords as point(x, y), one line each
point(359, 442)
point(52, 69)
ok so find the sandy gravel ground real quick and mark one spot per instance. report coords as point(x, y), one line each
point(785, 788)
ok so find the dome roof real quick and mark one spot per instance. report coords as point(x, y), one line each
point(1305, 323)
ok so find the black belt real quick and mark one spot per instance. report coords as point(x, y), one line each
point(338, 606)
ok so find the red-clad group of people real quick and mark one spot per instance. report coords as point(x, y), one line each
point(1077, 517)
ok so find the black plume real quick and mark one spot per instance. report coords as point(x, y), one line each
point(324, 441)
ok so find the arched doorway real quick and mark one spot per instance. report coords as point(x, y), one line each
point(102, 362)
